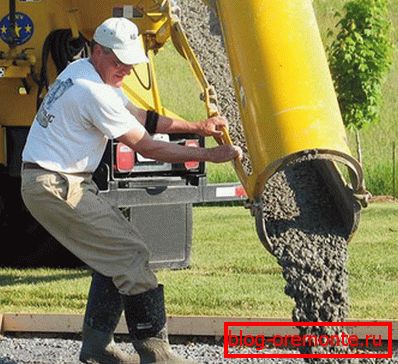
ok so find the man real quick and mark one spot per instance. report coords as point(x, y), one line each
point(82, 110)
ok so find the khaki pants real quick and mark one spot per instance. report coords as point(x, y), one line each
point(69, 207)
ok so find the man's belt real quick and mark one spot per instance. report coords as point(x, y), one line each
point(30, 165)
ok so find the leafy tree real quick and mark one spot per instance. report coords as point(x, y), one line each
point(360, 57)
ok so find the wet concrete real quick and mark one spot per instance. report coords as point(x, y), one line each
point(308, 237)
point(310, 244)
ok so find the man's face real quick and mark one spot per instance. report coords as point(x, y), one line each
point(111, 70)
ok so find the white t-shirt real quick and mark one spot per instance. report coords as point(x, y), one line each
point(75, 120)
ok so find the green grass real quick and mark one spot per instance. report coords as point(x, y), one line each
point(179, 89)
point(231, 273)
point(180, 92)
point(43, 290)
point(373, 264)
point(376, 139)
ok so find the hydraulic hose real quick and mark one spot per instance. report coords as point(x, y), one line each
point(12, 42)
point(64, 49)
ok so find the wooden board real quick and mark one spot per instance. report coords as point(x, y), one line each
point(177, 325)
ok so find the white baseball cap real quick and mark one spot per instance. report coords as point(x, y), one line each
point(121, 35)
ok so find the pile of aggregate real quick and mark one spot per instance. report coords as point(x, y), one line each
point(303, 223)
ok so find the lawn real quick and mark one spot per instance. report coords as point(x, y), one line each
point(231, 274)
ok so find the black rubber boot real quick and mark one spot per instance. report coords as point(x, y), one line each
point(146, 321)
point(103, 311)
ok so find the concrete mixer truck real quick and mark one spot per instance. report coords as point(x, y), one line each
point(282, 84)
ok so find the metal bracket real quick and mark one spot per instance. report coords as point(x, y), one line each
point(258, 213)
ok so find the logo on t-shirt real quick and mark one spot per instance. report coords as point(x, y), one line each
point(44, 117)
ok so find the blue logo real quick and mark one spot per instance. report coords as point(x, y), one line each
point(23, 29)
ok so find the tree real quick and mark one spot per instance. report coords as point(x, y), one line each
point(360, 57)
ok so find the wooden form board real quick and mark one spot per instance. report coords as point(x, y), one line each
point(177, 325)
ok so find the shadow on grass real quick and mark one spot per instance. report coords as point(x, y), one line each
point(12, 279)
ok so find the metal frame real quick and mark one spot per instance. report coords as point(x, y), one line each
point(153, 193)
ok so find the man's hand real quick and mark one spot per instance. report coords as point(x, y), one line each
point(141, 142)
point(224, 153)
point(211, 126)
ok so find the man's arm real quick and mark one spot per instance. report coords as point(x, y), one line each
point(167, 125)
point(141, 142)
